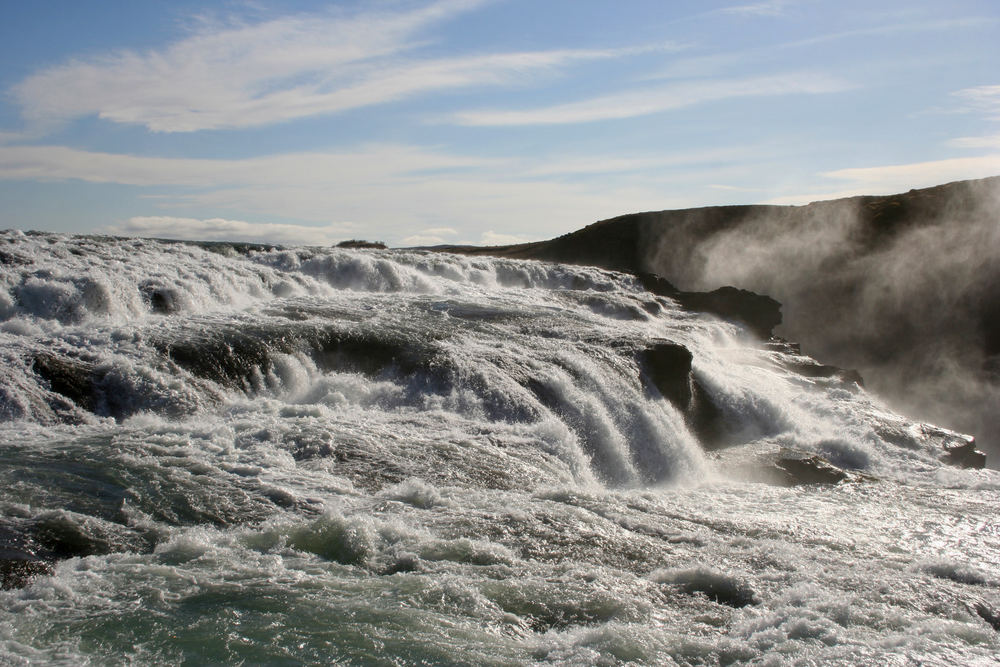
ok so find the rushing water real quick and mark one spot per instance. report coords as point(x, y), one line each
point(329, 456)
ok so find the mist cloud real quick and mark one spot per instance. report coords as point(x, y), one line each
point(905, 289)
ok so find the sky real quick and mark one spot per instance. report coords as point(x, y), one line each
point(419, 122)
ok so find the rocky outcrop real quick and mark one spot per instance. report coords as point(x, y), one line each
point(668, 367)
point(963, 453)
point(358, 243)
point(759, 313)
point(783, 467)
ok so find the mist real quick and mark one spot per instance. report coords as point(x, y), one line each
point(905, 289)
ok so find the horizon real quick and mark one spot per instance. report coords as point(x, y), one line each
point(474, 121)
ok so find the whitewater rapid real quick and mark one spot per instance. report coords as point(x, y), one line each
point(231, 453)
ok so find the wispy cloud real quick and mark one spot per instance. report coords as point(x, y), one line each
point(221, 229)
point(985, 141)
point(493, 238)
point(714, 63)
point(981, 99)
point(55, 163)
point(768, 8)
point(395, 189)
point(430, 236)
point(915, 174)
point(887, 179)
point(904, 27)
point(650, 100)
point(288, 68)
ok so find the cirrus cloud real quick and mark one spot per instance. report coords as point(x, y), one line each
point(290, 68)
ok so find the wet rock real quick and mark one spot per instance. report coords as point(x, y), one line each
point(800, 468)
point(18, 572)
point(71, 378)
point(12, 259)
point(93, 387)
point(717, 586)
point(162, 300)
point(405, 563)
point(962, 452)
point(813, 369)
point(759, 313)
point(358, 243)
point(784, 467)
point(988, 614)
point(668, 366)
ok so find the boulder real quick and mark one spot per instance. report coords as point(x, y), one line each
point(801, 468)
point(668, 366)
point(782, 467)
point(18, 572)
point(962, 452)
point(988, 614)
point(358, 243)
point(759, 313)
point(68, 377)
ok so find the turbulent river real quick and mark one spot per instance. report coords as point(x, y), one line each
point(215, 454)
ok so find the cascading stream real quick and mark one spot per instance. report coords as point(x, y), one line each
point(361, 453)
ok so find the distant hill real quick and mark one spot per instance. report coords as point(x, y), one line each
point(904, 287)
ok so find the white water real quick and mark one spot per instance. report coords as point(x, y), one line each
point(320, 455)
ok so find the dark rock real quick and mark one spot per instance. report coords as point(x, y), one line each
point(12, 259)
point(405, 563)
point(988, 614)
point(71, 378)
point(18, 572)
point(962, 452)
point(761, 314)
point(716, 586)
point(668, 366)
point(657, 284)
point(161, 299)
point(813, 369)
point(803, 468)
point(784, 467)
point(358, 243)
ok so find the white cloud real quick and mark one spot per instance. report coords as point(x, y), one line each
point(54, 163)
point(890, 179)
point(919, 174)
point(987, 141)
point(255, 75)
point(632, 103)
point(493, 238)
point(732, 188)
point(430, 236)
point(982, 99)
point(220, 229)
point(385, 190)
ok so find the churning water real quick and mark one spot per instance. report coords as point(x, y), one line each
point(223, 455)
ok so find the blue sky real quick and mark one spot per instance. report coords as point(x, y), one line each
point(477, 121)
